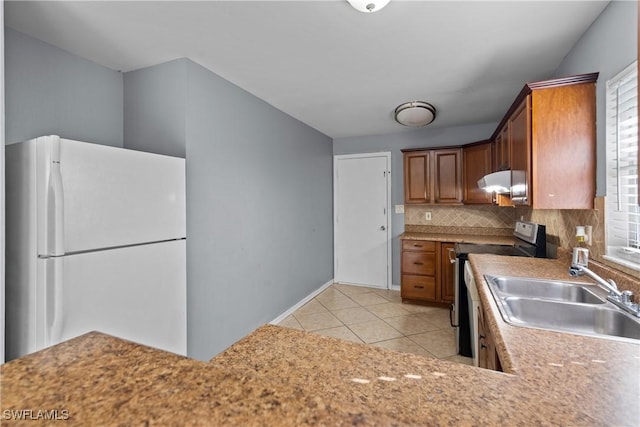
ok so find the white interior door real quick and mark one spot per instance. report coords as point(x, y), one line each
point(362, 245)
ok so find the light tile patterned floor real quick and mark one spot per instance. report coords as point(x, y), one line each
point(378, 317)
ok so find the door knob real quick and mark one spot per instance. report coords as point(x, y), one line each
point(382, 227)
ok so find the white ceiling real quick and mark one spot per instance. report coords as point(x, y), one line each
point(340, 71)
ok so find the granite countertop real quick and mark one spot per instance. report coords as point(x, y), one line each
point(97, 379)
point(600, 376)
point(410, 389)
point(280, 376)
point(274, 376)
point(460, 238)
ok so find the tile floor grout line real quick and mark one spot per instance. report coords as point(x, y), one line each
point(333, 294)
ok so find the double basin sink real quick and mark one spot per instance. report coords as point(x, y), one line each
point(578, 308)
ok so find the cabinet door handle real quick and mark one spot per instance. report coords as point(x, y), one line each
point(415, 245)
point(418, 287)
point(482, 346)
point(418, 263)
point(452, 259)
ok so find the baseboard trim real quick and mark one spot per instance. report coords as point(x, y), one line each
point(392, 288)
point(362, 285)
point(300, 303)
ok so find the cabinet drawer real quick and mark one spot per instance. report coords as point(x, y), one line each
point(418, 287)
point(419, 263)
point(418, 245)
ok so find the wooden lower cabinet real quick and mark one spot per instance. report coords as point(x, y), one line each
point(422, 263)
point(427, 273)
point(487, 354)
point(447, 272)
point(418, 287)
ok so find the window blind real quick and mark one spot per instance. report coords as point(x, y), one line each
point(622, 210)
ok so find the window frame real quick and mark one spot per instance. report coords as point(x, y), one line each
point(622, 214)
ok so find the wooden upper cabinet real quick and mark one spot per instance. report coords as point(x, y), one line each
point(547, 139)
point(501, 150)
point(520, 141)
point(416, 173)
point(447, 165)
point(476, 161)
point(551, 128)
point(433, 176)
point(563, 147)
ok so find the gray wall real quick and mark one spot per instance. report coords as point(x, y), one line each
point(50, 91)
point(155, 109)
point(259, 198)
point(608, 46)
point(260, 233)
point(426, 137)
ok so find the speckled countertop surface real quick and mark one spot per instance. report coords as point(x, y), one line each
point(460, 238)
point(279, 376)
point(598, 376)
point(98, 380)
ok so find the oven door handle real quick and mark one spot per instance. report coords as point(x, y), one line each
point(451, 308)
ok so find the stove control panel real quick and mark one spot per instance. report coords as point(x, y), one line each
point(527, 231)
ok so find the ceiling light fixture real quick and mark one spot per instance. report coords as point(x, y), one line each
point(415, 113)
point(368, 6)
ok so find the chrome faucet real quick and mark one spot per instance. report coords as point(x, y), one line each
point(623, 299)
point(608, 285)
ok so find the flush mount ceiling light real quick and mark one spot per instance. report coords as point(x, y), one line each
point(368, 6)
point(415, 113)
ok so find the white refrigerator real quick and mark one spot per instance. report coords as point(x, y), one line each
point(96, 241)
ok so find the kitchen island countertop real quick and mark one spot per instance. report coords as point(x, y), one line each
point(274, 376)
point(280, 376)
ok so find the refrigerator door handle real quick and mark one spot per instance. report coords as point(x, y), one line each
point(54, 268)
point(55, 203)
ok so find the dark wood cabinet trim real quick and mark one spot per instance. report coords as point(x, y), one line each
point(471, 144)
point(564, 81)
point(446, 147)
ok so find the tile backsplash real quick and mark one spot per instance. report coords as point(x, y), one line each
point(460, 216)
point(560, 224)
point(561, 230)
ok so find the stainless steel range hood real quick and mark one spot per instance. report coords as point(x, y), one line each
point(498, 182)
